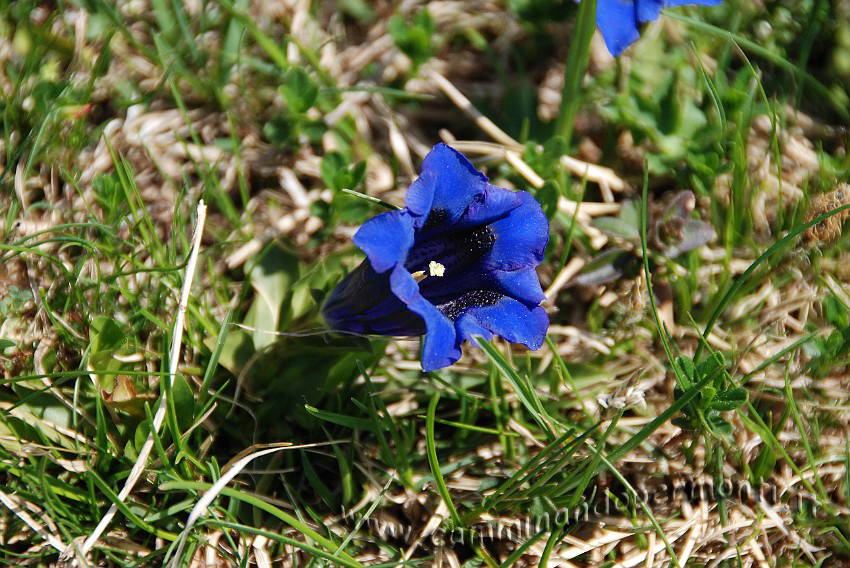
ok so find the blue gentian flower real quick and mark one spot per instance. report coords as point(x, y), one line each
point(457, 261)
point(618, 20)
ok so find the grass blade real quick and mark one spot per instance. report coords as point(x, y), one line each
point(435, 463)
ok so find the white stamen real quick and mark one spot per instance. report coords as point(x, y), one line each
point(436, 269)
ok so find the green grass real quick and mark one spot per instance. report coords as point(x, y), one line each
point(724, 361)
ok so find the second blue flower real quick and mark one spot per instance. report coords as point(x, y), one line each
point(619, 20)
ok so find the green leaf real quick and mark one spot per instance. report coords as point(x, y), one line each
point(718, 425)
point(299, 91)
point(280, 132)
point(413, 39)
point(834, 312)
point(105, 335)
point(678, 391)
point(608, 267)
point(686, 365)
point(548, 198)
point(357, 9)
point(130, 452)
point(729, 400)
point(351, 209)
point(764, 464)
point(656, 422)
point(680, 207)
point(358, 174)
point(184, 401)
point(271, 277)
point(141, 435)
point(434, 462)
point(615, 227)
point(238, 349)
point(333, 168)
point(363, 424)
point(626, 225)
point(309, 292)
point(710, 365)
point(317, 484)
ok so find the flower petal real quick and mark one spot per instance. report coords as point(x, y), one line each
point(448, 183)
point(617, 21)
point(364, 303)
point(420, 193)
point(493, 204)
point(520, 238)
point(522, 285)
point(648, 10)
point(468, 327)
point(673, 3)
point(386, 239)
point(507, 318)
point(441, 348)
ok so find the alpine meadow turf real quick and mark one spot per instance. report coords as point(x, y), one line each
point(197, 373)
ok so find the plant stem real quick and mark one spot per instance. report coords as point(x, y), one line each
point(576, 68)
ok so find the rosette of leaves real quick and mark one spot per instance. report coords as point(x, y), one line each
point(715, 397)
point(668, 118)
point(669, 234)
point(279, 352)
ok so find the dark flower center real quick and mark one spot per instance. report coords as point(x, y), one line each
point(456, 252)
